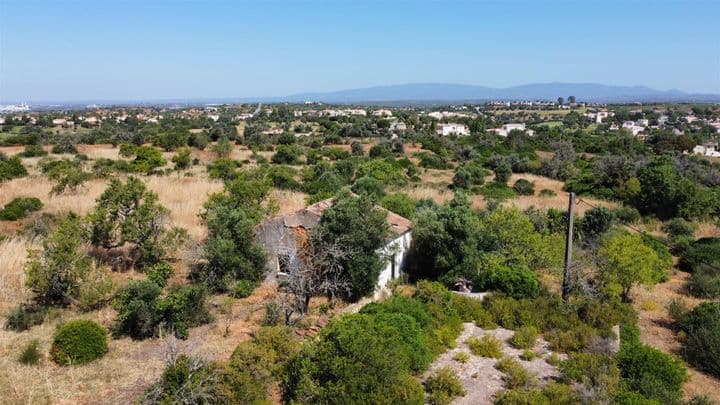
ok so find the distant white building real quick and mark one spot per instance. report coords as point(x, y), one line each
point(711, 149)
point(452, 129)
point(633, 127)
point(507, 128)
point(59, 121)
point(382, 113)
point(213, 117)
point(438, 115)
point(598, 117)
point(398, 126)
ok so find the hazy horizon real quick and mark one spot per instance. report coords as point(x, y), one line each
point(132, 50)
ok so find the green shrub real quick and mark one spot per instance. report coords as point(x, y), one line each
point(433, 161)
point(547, 193)
point(518, 282)
point(287, 154)
point(78, 342)
point(503, 171)
point(25, 316)
point(359, 358)
point(704, 282)
point(524, 338)
point(30, 353)
point(137, 316)
point(461, 357)
point(497, 191)
point(159, 273)
point(96, 289)
point(11, 168)
point(283, 177)
point(400, 204)
point(516, 376)
point(596, 221)
point(243, 288)
point(702, 345)
point(552, 394)
point(472, 310)
point(651, 372)
point(55, 273)
point(369, 186)
point(572, 340)
point(598, 372)
point(274, 314)
point(553, 359)
point(702, 251)
point(183, 307)
point(679, 227)
point(443, 386)
point(223, 169)
point(33, 151)
point(528, 355)
point(20, 207)
point(627, 215)
point(634, 398)
point(486, 346)
point(677, 309)
point(524, 187)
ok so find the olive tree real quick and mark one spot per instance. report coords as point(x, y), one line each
point(128, 214)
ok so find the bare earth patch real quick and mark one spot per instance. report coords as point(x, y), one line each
point(480, 377)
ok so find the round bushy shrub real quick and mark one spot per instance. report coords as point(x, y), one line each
point(518, 282)
point(627, 215)
point(524, 338)
point(443, 386)
point(597, 221)
point(78, 342)
point(524, 187)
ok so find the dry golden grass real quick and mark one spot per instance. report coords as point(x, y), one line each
point(130, 366)
point(12, 278)
point(707, 230)
point(559, 201)
point(39, 186)
point(288, 201)
point(439, 195)
point(184, 197)
point(100, 151)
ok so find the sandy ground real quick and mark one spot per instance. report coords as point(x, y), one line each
point(480, 377)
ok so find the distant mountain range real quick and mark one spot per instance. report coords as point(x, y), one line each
point(432, 93)
point(441, 92)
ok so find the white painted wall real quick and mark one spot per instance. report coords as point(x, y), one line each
point(399, 247)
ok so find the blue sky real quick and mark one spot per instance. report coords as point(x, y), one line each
point(143, 50)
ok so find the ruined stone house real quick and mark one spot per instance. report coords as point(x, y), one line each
point(288, 232)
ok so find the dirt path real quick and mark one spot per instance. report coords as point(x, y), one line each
point(480, 377)
point(655, 327)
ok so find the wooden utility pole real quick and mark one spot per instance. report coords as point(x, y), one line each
point(568, 248)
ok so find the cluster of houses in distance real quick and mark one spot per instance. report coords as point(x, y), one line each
point(519, 115)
